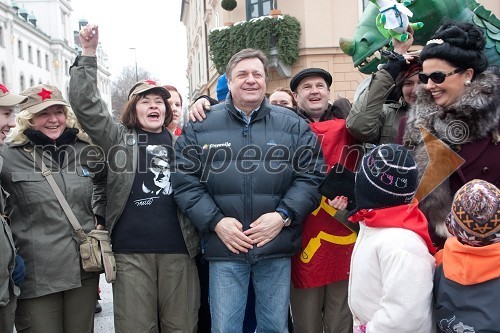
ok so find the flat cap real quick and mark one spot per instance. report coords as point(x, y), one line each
point(310, 72)
point(145, 85)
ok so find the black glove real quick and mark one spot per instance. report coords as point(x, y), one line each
point(395, 63)
point(19, 271)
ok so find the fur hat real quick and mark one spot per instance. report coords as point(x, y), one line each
point(387, 177)
point(461, 44)
point(294, 83)
point(8, 99)
point(145, 85)
point(41, 97)
point(475, 214)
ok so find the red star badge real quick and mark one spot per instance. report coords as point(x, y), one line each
point(4, 89)
point(45, 94)
point(151, 82)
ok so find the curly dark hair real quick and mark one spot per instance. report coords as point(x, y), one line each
point(463, 45)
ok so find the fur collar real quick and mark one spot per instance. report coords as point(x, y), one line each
point(474, 116)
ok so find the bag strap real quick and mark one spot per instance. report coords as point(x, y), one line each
point(60, 196)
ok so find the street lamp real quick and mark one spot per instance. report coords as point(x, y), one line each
point(135, 56)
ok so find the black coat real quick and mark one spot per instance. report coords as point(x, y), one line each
point(215, 178)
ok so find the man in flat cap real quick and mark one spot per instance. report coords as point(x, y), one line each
point(320, 272)
point(11, 265)
point(311, 89)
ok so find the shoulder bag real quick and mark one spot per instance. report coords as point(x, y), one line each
point(95, 248)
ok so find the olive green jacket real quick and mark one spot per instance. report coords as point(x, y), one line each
point(40, 229)
point(7, 252)
point(371, 119)
point(119, 143)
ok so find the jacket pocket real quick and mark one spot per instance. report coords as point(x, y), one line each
point(32, 187)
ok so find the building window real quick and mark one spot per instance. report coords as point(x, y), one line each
point(38, 58)
point(47, 62)
point(217, 20)
point(66, 67)
point(22, 84)
point(1, 37)
point(4, 75)
point(30, 54)
point(32, 82)
point(257, 8)
point(20, 49)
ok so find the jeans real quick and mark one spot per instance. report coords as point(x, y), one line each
point(229, 290)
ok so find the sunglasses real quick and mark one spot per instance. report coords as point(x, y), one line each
point(437, 77)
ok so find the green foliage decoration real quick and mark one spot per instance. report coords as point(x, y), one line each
point(228, 5)
point(263, 33)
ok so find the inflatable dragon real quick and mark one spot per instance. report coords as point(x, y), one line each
point(368, 41)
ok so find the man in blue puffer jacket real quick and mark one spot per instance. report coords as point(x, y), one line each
point(246, 177)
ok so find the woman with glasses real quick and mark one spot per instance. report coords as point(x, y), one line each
point(459, 103)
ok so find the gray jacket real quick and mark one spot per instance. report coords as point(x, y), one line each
point(40, 228)
point(7, 252)
point(119, 143)
point(371, 119)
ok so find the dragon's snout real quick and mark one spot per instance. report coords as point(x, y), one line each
point(347, 45)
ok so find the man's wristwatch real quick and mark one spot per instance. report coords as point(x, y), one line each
point(284, 216)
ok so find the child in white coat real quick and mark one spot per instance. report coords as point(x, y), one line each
point(392, 267)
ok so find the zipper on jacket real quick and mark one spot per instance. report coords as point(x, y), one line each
point(248, 187)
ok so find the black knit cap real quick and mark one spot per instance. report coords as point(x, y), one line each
point(387, 177)
point(310, 72)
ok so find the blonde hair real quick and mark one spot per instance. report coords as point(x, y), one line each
point(23, 122)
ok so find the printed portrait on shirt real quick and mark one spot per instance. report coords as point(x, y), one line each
point(158, 176)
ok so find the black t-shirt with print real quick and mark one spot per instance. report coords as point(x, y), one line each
point(149, 222)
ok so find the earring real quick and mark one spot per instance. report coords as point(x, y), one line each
point(467, 83)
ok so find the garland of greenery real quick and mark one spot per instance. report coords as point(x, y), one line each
point(263, 33)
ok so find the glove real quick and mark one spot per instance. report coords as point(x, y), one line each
point(395, 63)
point(19, 271)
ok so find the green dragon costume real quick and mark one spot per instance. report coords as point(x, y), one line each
point(368, 41)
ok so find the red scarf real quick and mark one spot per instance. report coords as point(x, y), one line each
point(404, 216)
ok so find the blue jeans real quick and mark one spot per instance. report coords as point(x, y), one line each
point(229, 290)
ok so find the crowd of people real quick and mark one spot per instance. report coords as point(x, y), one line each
point(266, 212)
